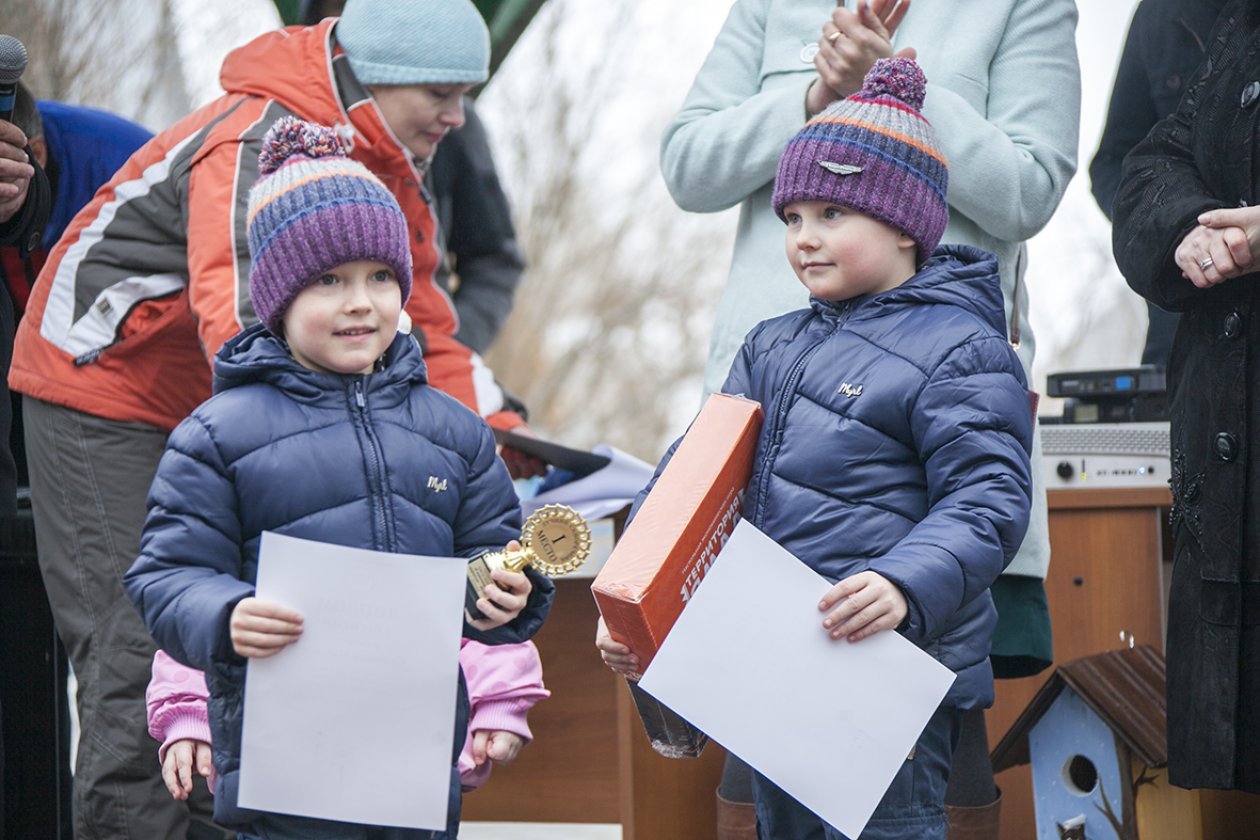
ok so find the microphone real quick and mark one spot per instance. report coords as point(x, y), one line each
point(12, 64)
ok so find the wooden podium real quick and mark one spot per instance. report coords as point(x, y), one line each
point(590, 761)
point(569, 772)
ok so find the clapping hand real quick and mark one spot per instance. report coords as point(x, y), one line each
point(849, 45)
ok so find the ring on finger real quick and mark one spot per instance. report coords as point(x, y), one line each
point(835, 36)
point(1206, 263)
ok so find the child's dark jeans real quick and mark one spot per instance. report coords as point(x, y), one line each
point(912, 809)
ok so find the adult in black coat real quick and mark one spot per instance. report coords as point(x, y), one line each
point(1162, 51)
point(1187, 237)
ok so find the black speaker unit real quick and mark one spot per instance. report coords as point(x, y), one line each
point(1105, 384)
point(1125, 395)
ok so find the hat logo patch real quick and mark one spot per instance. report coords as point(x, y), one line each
point(840, 168)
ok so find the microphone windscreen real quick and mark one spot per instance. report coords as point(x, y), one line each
point(12, 60)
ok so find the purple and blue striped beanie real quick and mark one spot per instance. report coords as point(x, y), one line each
point(314, 209)
point(873, 152)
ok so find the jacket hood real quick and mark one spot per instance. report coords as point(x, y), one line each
point(960, 275)
point(300, 68)
point(256, 355)
point(292, 65)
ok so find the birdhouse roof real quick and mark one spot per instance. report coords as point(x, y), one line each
point(1123, 687)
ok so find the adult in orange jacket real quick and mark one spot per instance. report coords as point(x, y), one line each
point(150, 280)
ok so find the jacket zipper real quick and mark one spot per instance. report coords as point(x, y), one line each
point(781, 410)
point(376, 478)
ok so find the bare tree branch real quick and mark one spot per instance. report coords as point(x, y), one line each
point(120, 56)
point(608, 337)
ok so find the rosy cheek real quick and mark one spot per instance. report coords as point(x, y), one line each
point(306, 325)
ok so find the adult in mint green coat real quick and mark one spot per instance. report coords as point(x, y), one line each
point(1004, 98)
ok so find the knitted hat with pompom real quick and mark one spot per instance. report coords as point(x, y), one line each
point(875, 153)
point(314, 209)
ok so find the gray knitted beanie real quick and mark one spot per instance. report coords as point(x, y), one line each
point(415, 42)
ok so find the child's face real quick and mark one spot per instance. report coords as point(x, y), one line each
point(345, 319)
point(421, 115)
point(840, 253)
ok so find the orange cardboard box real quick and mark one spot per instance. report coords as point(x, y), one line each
point(681, 527)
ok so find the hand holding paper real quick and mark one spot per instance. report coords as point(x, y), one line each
point(355, 724)
point(864, 603)
point(782, 695)
point(261, 628)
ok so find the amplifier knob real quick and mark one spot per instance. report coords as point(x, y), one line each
point(1065, 470)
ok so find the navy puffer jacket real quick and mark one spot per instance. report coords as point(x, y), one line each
point(339, 459)
point(897, 439)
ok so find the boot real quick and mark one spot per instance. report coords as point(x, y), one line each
point(735, 820)
point(979, 823)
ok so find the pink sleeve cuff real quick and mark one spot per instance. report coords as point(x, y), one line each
point(503, 715)
point(185, 723)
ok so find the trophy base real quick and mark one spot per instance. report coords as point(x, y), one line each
point(475, 588)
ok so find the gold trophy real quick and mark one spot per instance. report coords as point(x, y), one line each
point(555, 540)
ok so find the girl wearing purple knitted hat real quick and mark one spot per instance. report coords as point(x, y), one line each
point(322, 427)
point(894, 459)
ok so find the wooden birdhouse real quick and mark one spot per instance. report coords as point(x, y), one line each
point(1096, 736)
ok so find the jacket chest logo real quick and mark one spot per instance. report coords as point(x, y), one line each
point(437, 485)
point(847, 390)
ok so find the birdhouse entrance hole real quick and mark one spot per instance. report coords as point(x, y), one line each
point(1080, 775)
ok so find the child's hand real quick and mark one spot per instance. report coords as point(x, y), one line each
point(183, 757)
point(505, 598)
point(616, 655)
point(496, 745)
point(868, 602)
point(260, 628)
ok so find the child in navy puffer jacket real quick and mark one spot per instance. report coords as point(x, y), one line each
point(894, 458)
point(322, 427)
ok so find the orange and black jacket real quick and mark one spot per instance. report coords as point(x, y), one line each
point(152, 277)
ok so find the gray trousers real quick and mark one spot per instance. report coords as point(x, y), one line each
point(89, 480)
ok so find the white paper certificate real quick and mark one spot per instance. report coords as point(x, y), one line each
point(355, 722)
point(749, 663)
